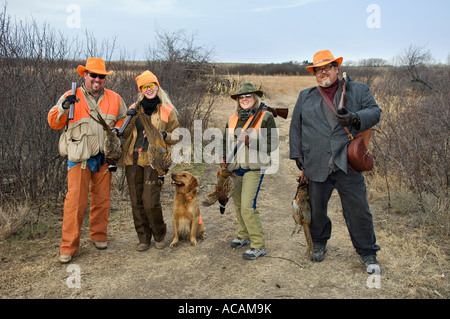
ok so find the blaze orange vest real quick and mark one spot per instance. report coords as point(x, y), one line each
point(109, 104)
point(232, 122)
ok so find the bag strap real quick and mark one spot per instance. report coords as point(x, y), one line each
point(330, 104)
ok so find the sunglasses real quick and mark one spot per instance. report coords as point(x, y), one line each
point(148, 86)
point(245, 96)
point(94, 76)
point(325, 68)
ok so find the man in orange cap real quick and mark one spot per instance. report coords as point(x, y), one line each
point(318, 144)
point(83, 142)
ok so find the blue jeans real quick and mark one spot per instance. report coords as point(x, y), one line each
point(352, 192)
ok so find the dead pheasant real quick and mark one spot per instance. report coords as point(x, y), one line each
point(158, 153)
point(112, 146)
point(302, 214)
point(226, 184)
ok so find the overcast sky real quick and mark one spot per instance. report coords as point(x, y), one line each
point(260, 31)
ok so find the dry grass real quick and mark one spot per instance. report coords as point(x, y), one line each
point(13, 217)
point(414, 248)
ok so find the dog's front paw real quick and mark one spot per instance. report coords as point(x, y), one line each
point(174, 243)
point(194, 242)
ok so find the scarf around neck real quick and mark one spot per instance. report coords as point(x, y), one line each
point(149, 105)
point(245, 114)
point(331, 90)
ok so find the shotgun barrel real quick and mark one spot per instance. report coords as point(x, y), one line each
point(72, 105)
point(124, 125)
point(341, 106)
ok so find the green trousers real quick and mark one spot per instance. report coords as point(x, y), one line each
point(248, 217)
point(145, 189)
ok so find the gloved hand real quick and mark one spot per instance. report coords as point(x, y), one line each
point(347, 119)
point(69, 100)
point(244, 137)
point(223, 162)
point(131, 112)
point(299, 163)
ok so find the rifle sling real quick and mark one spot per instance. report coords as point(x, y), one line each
point(331, 105)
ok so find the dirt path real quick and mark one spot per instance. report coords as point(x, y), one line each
point(212, 269)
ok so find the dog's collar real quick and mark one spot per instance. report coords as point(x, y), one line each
point(186, 199)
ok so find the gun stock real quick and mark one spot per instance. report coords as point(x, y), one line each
point(280, 111)
point(72, 105)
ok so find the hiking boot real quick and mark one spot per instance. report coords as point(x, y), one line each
point(143, 247)
point(319, 252)
point(254, 253)
point(101, 244)
point(239, 242)
point(371, 264)
point(65, 259)
point(160, 244)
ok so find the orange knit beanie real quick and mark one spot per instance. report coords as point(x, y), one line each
point(145, 78)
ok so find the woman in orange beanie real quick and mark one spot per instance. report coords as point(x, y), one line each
point(144, 183)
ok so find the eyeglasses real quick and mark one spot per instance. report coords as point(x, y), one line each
point(243, 96)
point(325, 68)
point(95, 75)
point(148, 86)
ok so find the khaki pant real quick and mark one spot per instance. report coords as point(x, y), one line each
point(79, 178)
point(145, 189)
point(244, 198)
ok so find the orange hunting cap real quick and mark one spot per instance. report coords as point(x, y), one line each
point(94, 65)
point(322, 58)
point(145, 78)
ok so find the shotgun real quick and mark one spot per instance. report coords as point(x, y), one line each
point(72, 105)
point(343, 100)
point(283, 112)
point(127, 121)
point(124, 125)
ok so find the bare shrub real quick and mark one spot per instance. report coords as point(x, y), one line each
point(13, 217)
point(184, 70)
point(39, 64)
point(413, 147)
point(33, 61)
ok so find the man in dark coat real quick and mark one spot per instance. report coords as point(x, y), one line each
point(318, 144)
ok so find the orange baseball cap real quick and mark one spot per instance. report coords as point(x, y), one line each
point(322, 58)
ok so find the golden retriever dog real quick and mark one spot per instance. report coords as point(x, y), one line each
point(186, 218)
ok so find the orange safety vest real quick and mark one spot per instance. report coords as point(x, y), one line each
point(109, 105)
point(232, 122)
